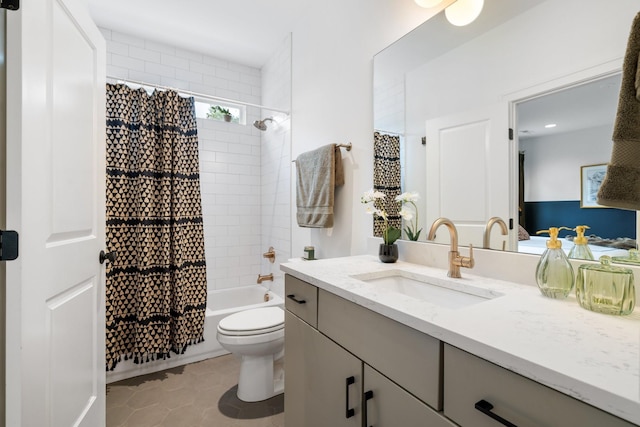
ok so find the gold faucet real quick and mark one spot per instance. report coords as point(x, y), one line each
point(487, 231)
point(262, 278)
point(455, 260)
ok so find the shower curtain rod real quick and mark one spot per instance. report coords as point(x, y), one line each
point(196, 94)
point(388, 132)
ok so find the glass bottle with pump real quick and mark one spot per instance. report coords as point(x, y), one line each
point(554, 274)
point(580, 249)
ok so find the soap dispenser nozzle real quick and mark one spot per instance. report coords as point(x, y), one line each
point(553, 242)
point(580, 249)
point(580, 239)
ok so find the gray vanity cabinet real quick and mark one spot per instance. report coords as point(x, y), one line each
point(340, 376)
point(402, 377)
point(322, 380)
point(473, 385)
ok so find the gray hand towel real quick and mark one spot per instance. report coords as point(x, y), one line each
point(318, 173)
point(621, 186)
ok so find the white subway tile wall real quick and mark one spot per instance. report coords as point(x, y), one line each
point(244, 212)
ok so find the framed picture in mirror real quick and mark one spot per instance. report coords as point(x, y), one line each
point(591, 177)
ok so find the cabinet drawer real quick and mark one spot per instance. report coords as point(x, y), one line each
point(401, 353)
point(301, 299)
point(523, 402)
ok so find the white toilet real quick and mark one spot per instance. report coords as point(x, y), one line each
point(257, 337)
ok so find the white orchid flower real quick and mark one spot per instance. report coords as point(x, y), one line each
point(366, 197)
point(370, 196)
point(406, 214)
point(372, 211)
point(409, 196)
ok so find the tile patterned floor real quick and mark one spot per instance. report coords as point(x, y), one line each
point(196, 395)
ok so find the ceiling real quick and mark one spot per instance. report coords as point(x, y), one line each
point(580, 107)
point(249, 31)
point(241, 31)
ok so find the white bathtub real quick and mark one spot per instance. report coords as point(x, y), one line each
point(219, 305)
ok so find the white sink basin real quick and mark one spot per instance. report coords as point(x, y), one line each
point(444, 292)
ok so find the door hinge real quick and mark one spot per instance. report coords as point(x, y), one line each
point(510, 134)
point(8, 245)
point(10, 4)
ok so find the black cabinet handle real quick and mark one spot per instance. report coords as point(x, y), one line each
point(367, 396)
point(486, 407)
point(350, 411)
point(293, 298)
point(109, 256)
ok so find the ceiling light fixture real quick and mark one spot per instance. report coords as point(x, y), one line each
point(464, 12)
point(550, 125)
point(460, 13)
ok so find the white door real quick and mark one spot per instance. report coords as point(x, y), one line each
point(55, 200)
point(468, 172)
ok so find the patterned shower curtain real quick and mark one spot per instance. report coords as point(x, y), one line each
point(156, 289)
point(386, 178)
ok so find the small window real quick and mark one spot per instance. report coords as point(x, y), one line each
point(218, 111)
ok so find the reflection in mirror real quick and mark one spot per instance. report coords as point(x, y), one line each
point(560, 134)
point(513, 53)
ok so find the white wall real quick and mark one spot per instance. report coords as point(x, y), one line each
point(230, 154)
point(333, 48)
point(508, 59)
point(552, 163)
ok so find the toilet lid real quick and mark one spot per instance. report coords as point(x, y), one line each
point(257, 321)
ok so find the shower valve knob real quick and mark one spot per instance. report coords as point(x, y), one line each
point(107, 256)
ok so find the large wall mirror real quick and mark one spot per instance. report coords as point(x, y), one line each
point(452, 93)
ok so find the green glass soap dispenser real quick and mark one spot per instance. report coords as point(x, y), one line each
point(554, 274)
point(606, 289)
point(580, 249)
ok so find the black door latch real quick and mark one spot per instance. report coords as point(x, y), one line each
point(8, 245)
point(10, 4)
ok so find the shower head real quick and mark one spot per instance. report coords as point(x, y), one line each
point(261, 124)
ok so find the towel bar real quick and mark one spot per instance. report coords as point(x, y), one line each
point(347, 146)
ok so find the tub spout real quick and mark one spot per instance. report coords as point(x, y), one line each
point(262, 278)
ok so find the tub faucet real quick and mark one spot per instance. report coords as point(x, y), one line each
point(262, 278)
point(487, 231)
point(270, 255)
point(455, 260)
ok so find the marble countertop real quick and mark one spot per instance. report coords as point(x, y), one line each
point(590, 356)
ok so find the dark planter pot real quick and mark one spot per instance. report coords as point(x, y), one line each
point(228, 117)
point(388, 253)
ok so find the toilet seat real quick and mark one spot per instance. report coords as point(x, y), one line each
point(252, 322)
